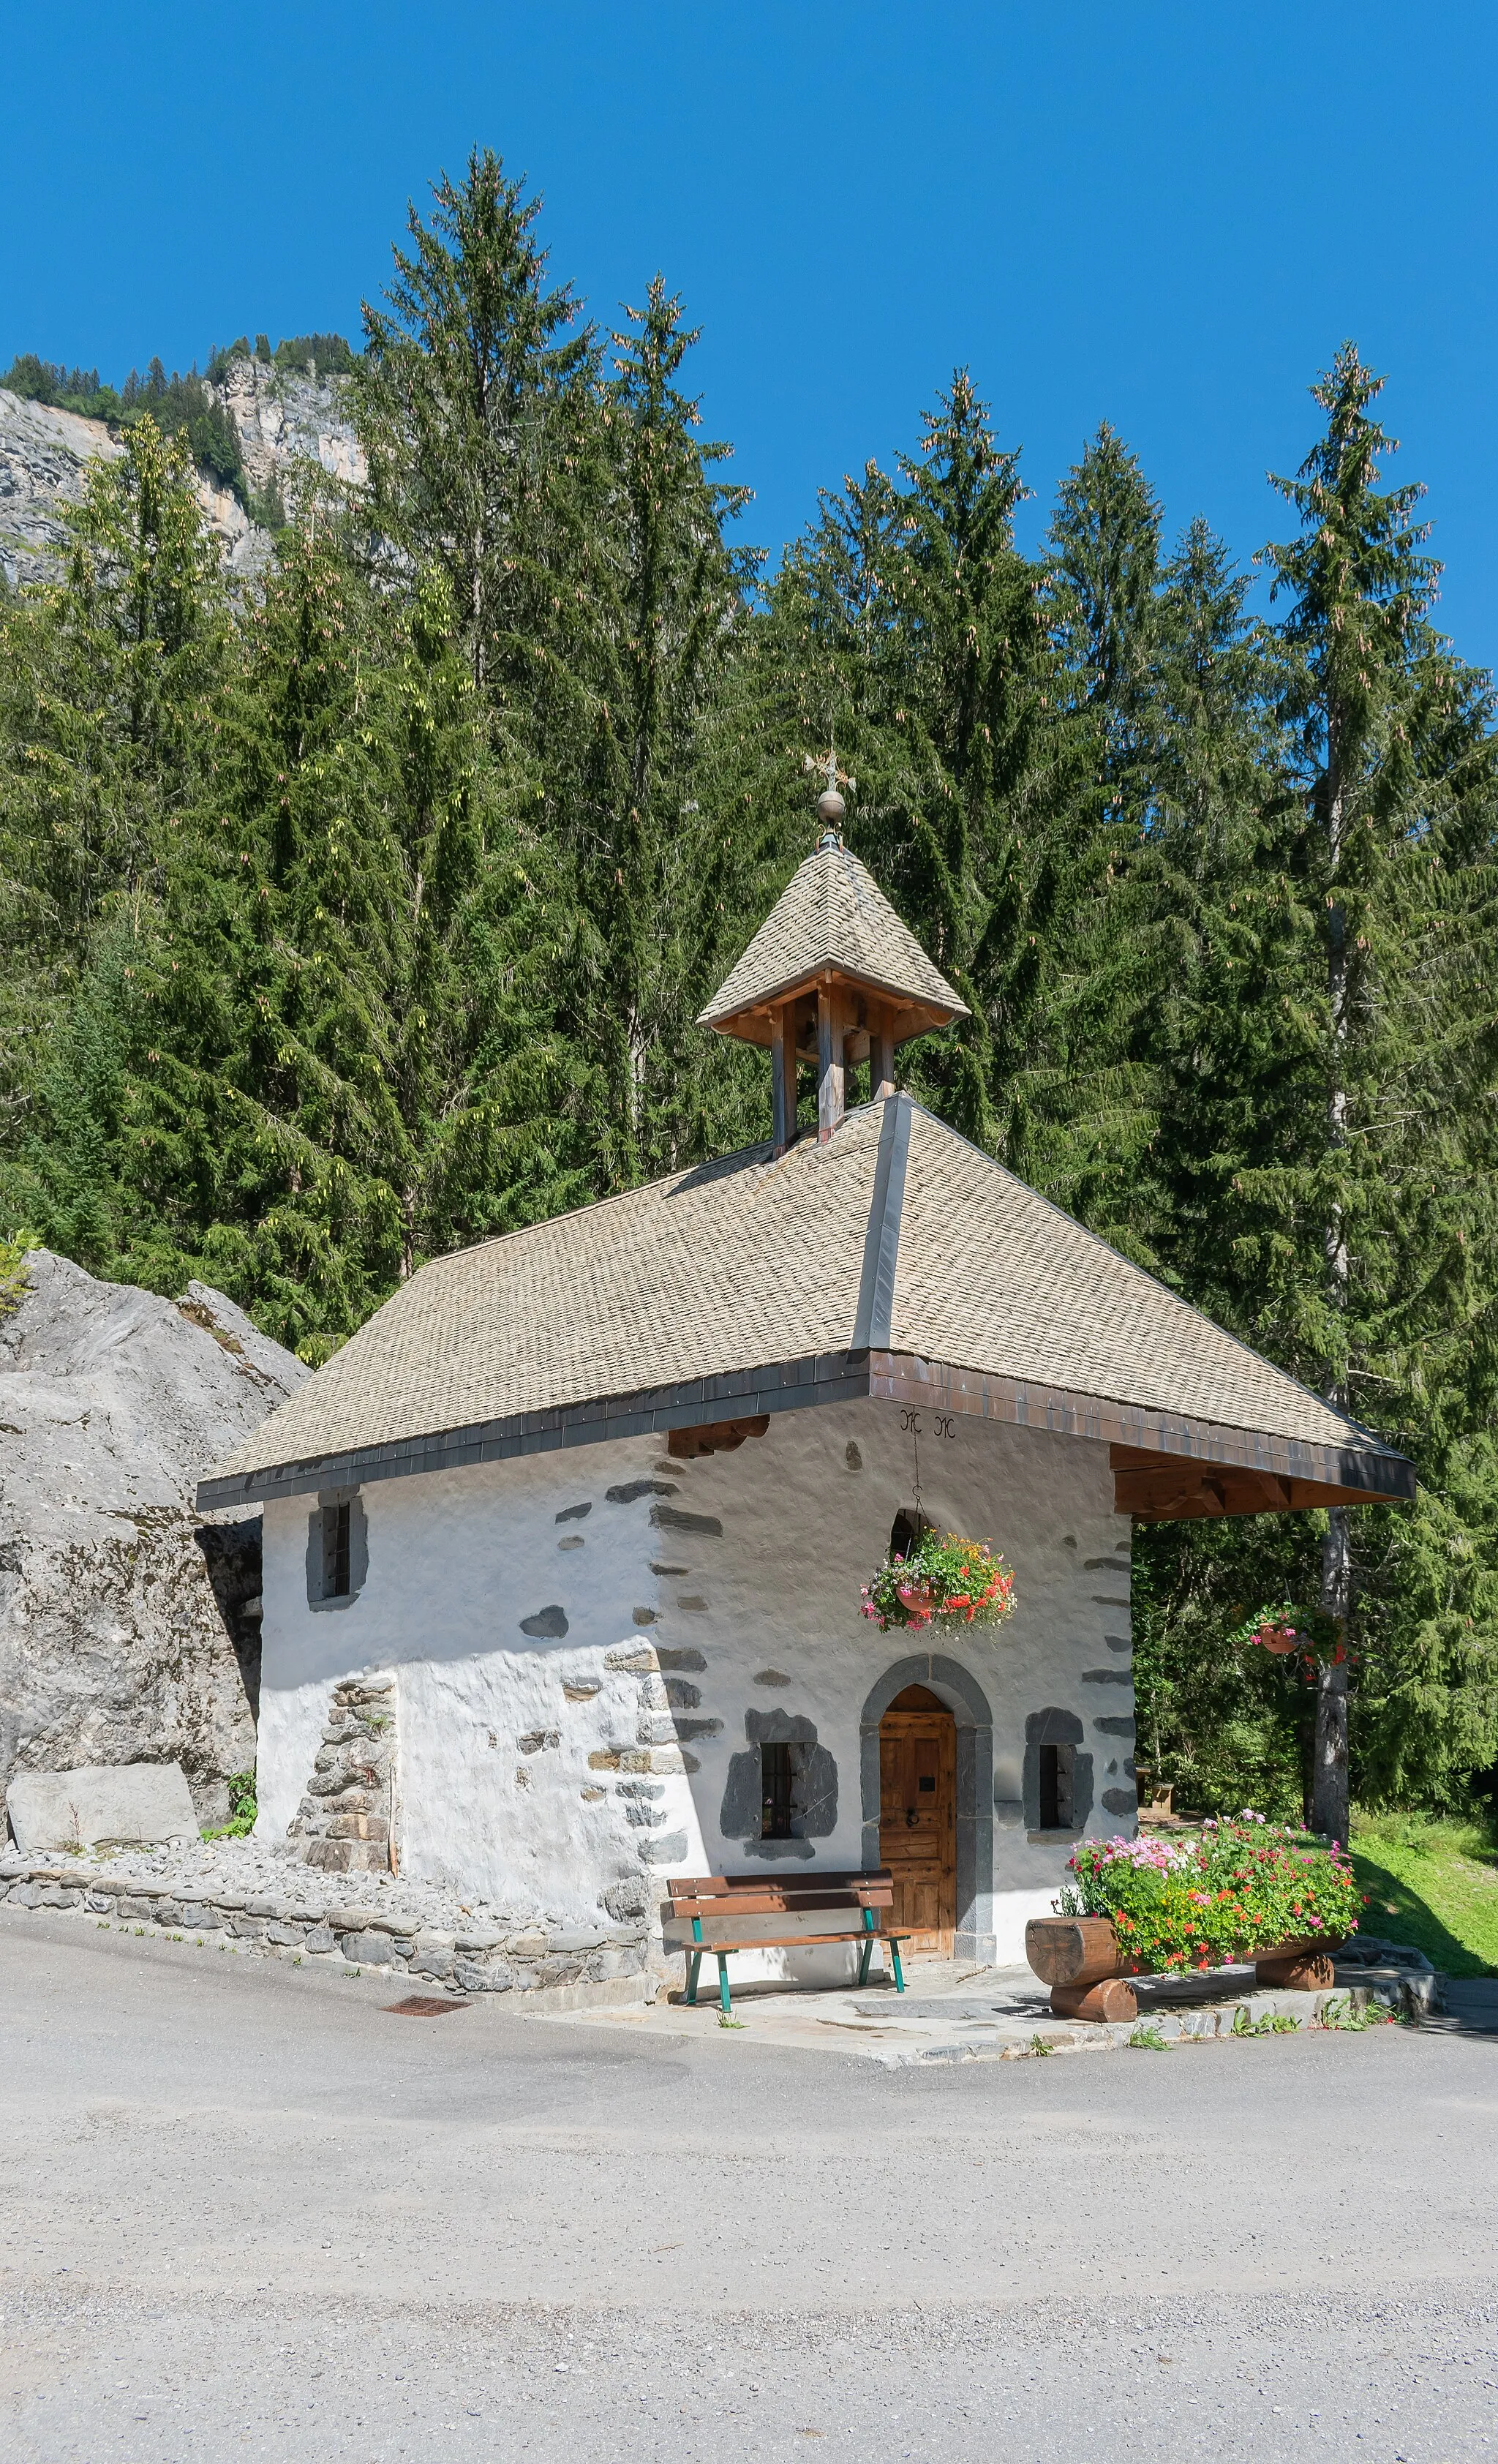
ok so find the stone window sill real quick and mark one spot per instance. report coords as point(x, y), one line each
point(1052, 1839)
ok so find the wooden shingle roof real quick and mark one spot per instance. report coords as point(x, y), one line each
point(893, 1259)
point(832, 914)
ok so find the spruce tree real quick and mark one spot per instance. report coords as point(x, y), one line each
point(474, 376)
point(664, 628)
point(1327, 1119)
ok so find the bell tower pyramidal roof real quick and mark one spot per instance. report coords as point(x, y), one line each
point(833, 977)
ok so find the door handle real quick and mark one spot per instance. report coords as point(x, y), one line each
point(911, 1818)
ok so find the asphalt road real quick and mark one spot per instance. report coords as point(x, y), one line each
point(245, 2211)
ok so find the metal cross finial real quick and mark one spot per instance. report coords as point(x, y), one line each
point(830, 807)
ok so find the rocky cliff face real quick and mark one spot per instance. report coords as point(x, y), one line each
point(291, 426)
point(129, 1624)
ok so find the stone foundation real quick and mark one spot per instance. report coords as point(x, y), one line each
point(486, 1959)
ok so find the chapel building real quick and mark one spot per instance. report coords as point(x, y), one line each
point(598, 1498)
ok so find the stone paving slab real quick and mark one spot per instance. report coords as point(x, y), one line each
point(1002, 2015)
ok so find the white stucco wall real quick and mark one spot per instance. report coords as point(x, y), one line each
point(456, 1560)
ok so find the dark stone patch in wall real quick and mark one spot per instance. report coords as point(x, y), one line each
point(684, 1657)
point(1068, 1540)
point(627, 1490)
point(1054, 1727)
point(800, 1849)
point(548, 1625)
point(644, 1616)
point(1009, 1811)
point(669, 1849)
point(649, 1790)
point(852, 1456)
point(656, 1568)
point(739, 1814)
point(574, 1540)
point(1114, 1728)
point(681, 1694)
point(575, 1513)
point(671, 1518)
point(813, 1814)
point(1107, 1677)
point(536, 1741)
point(1099, 1564)
point(778, 1728)
point(1119, 1642)
point(692, 1600)
point(771, 1677)
point(1111, 1600)
point(1120, 1800)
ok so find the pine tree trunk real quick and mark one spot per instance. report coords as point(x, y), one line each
point(1329, 1787)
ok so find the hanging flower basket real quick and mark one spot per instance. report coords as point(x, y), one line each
point(942, 1581)
point(1311, 1635)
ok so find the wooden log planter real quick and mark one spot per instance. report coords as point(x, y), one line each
point(1079, 1958)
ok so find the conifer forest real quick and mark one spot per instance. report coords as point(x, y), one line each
point(367, 911)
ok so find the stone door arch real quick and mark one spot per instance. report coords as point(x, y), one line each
point(959, 1689)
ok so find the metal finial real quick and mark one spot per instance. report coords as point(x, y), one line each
point(830, 807)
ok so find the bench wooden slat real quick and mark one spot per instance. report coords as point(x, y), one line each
point(781, 1942)
point(699, 1884)
point(767, 1902)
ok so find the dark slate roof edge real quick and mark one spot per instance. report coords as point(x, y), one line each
point(740, 1394)
point(986, 1394)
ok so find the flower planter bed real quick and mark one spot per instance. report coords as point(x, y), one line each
point(1235, 1894)
point(1088, 1975)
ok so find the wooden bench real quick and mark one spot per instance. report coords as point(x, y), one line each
point(728, 1912)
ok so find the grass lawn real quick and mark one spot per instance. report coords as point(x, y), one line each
point(1433, 1884)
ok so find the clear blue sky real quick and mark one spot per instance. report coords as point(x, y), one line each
point(1160, 212)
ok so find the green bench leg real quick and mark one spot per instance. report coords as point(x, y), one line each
point(899, 1972)
point(864, 1957)
point(722, 1984)
point(694, 1963)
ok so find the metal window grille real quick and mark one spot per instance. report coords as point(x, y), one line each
point(778, 1774)
point(335, 1547)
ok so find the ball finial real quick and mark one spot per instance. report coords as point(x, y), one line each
point(830, 807)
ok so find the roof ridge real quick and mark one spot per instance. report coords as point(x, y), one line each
point(873, 1318)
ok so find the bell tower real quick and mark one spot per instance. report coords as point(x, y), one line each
point(832, 977)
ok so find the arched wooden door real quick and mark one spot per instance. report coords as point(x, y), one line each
point(917, 1817)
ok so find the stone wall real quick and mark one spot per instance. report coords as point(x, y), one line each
point(585, 1642)
point(345, 1823)
point(486, 1959)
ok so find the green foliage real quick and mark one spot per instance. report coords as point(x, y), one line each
point(242, 1808)
point(1432, 1882)
point(77, 389)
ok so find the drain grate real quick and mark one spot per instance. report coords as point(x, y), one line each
point(424, 2006)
